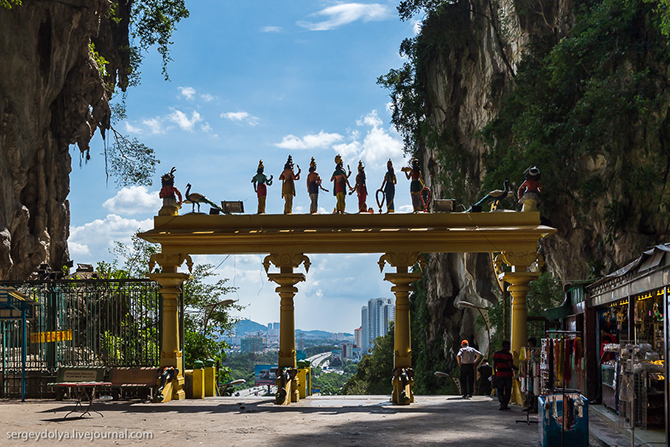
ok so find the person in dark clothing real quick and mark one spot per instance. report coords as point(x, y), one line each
point(484, 385)
point(503, 362)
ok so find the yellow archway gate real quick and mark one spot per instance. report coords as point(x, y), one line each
point(288, 239)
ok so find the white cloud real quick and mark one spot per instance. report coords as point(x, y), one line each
point(93, 240)
point(241, 117)
point(187, 92)
point(371, 119)
point(271, 29)
point(319, 141)
point(207, 97)
point(154, 125)
point(206, 127)
point(183, 121)
point(416, 26)
point(132, 129)
point(377, 146)
point(133, 200)
point(347, 150)
point(78, 249)
point(345, 13)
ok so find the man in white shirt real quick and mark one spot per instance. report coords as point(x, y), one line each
point(467, 358)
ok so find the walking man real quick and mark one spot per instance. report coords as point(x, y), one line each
point(503, 363)
point(467, 357)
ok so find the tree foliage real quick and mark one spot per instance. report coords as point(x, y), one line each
point(206, 319)
point(140, 25)
point(373, 375)
point(330, 383)
point(152, 24)
point(9, 3)
point(599, 96)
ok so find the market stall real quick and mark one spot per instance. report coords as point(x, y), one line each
point(631, 330)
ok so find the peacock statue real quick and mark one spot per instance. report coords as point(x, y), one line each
point(195, 198)
point(495, 196)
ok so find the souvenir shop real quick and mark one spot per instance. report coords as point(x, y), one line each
point(630, 331)
point(562, 350)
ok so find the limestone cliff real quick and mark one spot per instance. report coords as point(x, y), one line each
point(469, 57)
point(51, 96)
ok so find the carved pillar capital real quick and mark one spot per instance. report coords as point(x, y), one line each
point(169, 262)
point(286, 261)
point(401, 260)
point(519, 260)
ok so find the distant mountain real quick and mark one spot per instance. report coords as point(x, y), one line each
point(318, 334)
point(247, 326)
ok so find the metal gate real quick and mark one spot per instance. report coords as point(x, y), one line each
point(80, 323)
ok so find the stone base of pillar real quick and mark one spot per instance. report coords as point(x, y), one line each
point(174, 390)
point(286, 395)
point(402, 395)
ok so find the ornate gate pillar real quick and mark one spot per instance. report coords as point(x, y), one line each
point(403, 382)
point(287, 383)
point(171, 355)
point(519, 278)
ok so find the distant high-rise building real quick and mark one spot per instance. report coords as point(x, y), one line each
point(252, 343)
point(365, 338)
point(358, 337)
point(375, 319)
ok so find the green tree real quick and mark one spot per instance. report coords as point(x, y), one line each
point(9, 3)
point(330, 383)
point(373, 375)
point(202, 298)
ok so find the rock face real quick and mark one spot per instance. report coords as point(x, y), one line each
point(481, 45)
point(466, 79)
point(51, 96)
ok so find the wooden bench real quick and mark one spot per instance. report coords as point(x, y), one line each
point(133, 379)
point(83, 380)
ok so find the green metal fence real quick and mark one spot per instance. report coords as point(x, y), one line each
point(80, 323)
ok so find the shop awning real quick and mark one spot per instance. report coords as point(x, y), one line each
point(562, 311)
point(650, 271)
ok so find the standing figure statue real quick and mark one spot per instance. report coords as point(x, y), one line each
point(288, 178)
point(260, 181)
point(313, 186)
point(388, 188)
point(340, 181)
point(169, 194)
point(530, 189)
point(361, 188)
point(416, 185)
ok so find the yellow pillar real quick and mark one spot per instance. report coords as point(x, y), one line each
point(518, 279)
point(199, 390)
point(210, 378)
point(286, 279)
point(171, 281)
point(402, 356)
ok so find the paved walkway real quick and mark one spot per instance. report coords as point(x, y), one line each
point(255, 421)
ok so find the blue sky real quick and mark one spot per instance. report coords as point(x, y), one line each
point(260, 80)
